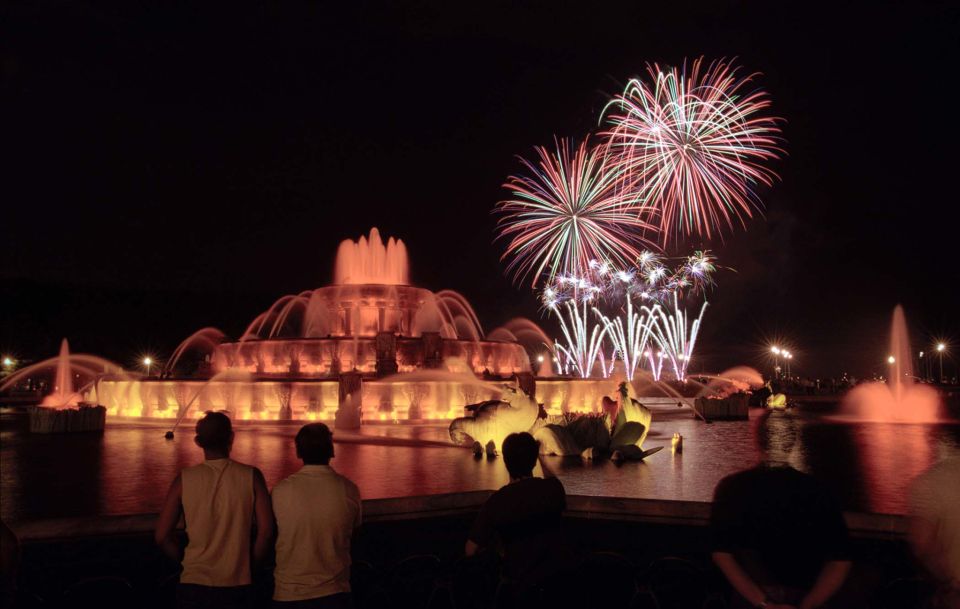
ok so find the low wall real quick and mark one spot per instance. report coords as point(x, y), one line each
point(650, 511)
point(58, 553)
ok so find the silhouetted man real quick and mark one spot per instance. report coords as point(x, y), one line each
point(780, 537)
point(525, 516)
point(317, 511)
point(935, 524)
point(219, 499)
point(9, 564)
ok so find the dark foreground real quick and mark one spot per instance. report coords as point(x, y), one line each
point(409, 554)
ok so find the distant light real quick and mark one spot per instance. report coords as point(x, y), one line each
point(776, 350)
point(891, 359)
point(941, 347)
point(540, 358)
point(921, 354)
point(7, 362)
point(147, 361)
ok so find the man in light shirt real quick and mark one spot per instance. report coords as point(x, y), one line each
point(220, 501)
point(317, 511)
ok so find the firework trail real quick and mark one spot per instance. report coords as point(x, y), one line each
point(567, 210)
point(693, 143)
point(674, 334)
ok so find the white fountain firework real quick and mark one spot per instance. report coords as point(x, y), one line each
point(583, 345)
point(675, 335)
point(634, 331)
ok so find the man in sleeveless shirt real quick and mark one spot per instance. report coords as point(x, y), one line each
point(220, 500)
point(317, 511)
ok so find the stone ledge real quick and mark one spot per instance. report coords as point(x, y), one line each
point(652, 511)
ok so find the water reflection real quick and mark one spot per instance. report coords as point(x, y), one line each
point(128, 469)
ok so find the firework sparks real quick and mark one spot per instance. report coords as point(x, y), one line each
point(673, 333)
point(694, 143)
point(629, 334)
point(567, 211)
point(583, 346)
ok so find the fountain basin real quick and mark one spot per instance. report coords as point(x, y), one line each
point(732, 408)
point(67, 420)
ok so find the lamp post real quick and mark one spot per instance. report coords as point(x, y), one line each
point(148, 361)
point(940, 349)
point(776, 360)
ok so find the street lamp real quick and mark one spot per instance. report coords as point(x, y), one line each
point(7, 362)
point(148, 361)
point(940, 349)
point(776, 360)
point(891, 359)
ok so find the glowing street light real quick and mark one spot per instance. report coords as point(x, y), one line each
point(891, 360)
point(941, 347)
point(148, 361)
point(8, 363)
point(776, 359)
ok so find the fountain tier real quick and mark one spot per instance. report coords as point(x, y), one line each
point(304, 356)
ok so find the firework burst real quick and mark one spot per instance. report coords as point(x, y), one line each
point(693, 143)
point(568, 210)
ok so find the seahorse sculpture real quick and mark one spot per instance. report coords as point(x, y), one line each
point(619, 430)
point(494, 420)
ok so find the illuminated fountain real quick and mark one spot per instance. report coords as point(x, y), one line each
point(66, 409)
point(901, 398)
point(345, 351)
point(63, 395)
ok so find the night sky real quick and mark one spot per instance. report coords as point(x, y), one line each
point(172, 167)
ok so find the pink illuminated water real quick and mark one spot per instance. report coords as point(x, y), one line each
point(63, 395)
point(901, 398)
point(128, 468)
point(370, 261)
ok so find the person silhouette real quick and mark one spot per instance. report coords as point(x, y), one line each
point(779, 536)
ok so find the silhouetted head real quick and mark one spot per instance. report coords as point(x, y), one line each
point(777, 434)
point(315, 444)
point(949, 441)
point(214, 433)
point(520, 452)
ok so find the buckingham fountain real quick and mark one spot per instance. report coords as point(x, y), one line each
point(369, 347)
